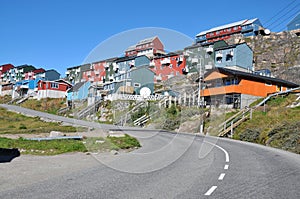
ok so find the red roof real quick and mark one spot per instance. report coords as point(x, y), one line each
point(39, 70)
point(6, 67)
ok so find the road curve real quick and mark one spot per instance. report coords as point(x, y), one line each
point(167, 166)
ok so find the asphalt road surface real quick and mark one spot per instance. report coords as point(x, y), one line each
point(166, 166)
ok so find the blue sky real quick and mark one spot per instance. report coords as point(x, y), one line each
point(56, 34)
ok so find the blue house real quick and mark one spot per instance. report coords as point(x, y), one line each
point(237, 56)
point(131, 82)
point(25, 87)
point(123, 64)
point(294, 24)
point(49, 75)
point(246, 27)
point(79, 91)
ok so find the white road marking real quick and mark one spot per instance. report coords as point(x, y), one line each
point(210, 191)
point(226, 153)
point(226, 166)
point(221, 177)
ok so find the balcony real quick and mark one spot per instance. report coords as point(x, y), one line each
point(230, 53)
point(210, 50)
point(67, 73)
point(219, 55)
point(158, 78)
point(115, 67)
point(222, 90)
point(194, 60)
point(111, 78)
point(166, 61)
point(152, 64)
point(1, 68)
point(185, 70)
point(180, 59)
point(106, 65)
point(132, 63)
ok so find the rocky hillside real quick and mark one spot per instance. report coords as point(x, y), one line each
point(278, 52)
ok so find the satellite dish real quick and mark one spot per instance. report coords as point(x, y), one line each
point(267, 31)
point(145, 92)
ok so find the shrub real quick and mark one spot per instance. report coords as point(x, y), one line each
point(22, 126)
point(249, 135)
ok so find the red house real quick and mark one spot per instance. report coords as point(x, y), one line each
point(149, 47)
point(167, 66)
point(52, 89)
point(96, 72)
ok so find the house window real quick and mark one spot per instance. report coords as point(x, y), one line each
point(234, 81)
point(54, 85)
point(268, 84)
point(219, 59)
point(229, 57)
point(137, 85)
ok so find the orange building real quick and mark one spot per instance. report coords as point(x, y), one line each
point(239, 88)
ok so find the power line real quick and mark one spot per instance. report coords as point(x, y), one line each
point(288, 12)
point(273, 17)
point(286, 19)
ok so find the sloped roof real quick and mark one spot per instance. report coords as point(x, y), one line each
point(238, 23)
point(147, 40)
point(76, 87)
point(130, 48)
point(253, 76)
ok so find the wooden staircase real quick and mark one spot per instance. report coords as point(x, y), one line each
point(227, 127)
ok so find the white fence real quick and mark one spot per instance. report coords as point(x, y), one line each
point(113, 97)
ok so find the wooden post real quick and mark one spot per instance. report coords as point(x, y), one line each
point(231, 127)
point(251, 111)
point(184, 100)
point(194, 99)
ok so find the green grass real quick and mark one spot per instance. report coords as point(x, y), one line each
point(46, 105)
point(125, 142)
point(14, 123)
point(52, 147)
point(277, 127)
point(5, 99)
point(111, 143)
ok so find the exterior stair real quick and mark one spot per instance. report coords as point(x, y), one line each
point(91, 109)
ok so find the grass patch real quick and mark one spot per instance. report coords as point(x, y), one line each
point(14, 123)
point(49, 147)
point(46, 105)
point(99, 144)
point(5, 99)
point(278, 127)
point(125, 142)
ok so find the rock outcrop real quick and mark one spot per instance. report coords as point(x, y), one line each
point(278, 52)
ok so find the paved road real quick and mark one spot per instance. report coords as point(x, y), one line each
point(167, 166)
